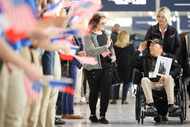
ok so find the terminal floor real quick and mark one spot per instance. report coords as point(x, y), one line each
point(121, 116)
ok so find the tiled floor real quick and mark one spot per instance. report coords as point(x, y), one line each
point(120, 116)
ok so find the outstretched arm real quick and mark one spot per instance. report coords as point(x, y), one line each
point(8, 55)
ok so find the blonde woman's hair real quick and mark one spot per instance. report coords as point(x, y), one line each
point(166, 12)
point(122, 39)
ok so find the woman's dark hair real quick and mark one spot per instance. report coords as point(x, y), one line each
point(95, 20)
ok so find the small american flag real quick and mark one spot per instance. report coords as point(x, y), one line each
point(20, 16)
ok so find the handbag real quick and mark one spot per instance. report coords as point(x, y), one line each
point(115, 79)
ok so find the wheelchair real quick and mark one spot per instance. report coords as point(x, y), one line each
point(160, 99)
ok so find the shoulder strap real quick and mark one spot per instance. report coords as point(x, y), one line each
point(93, 39)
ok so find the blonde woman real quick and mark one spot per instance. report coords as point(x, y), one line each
point(165, 32)
point(125, 52)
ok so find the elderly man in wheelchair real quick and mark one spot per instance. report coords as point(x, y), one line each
point(146, 64)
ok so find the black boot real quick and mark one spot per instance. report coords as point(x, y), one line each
point(93, 118)
point(157, 119)
point(59, 121)
point(113, 101)
point(103, 120)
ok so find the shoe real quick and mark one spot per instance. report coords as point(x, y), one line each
point(157, 119)
point(93, 119)
point(151, 109)
point(113, 102)
point(72, 116)
point(103, 120)
point(124, 102)
point(59, 121)
point(172, 108)
point(164, 118)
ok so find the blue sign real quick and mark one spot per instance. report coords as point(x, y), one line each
point(142, 23)
point(184, 23)
point(176, 5)
point(128, 5)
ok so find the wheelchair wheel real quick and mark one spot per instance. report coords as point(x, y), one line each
point(184, 101)
point(142, 117)
point(138, 104)
point(181, 118)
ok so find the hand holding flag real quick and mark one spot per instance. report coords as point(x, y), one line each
point(20, 16)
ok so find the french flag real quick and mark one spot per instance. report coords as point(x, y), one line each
point(62, 85)
point(17, 40)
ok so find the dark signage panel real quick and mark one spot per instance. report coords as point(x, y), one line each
point(128, 5)
point(184, 23)
point(142, 23)
point(176, 5)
